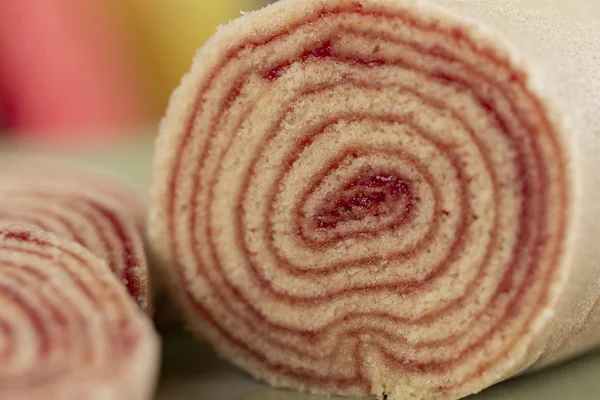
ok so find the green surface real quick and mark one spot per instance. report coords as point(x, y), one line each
point(191, 371)
point(129, 162)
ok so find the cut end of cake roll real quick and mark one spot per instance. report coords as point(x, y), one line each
point(68, 329)
point(88, 211)
point(363, 197)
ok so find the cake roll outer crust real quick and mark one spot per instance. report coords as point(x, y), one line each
point(557, 41)
point(545, 48)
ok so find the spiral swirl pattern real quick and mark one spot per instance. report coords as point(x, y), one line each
point(68, 329)
point(361, 197)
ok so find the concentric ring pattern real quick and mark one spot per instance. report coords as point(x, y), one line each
point(359, 197)
point(68, 329)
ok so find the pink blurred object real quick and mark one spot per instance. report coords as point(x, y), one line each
point(67, 73)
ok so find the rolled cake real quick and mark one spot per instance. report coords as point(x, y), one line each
point(387, 197)
point(95, 223)
point(68, 329)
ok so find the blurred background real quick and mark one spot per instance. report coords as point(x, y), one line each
point(97, 72)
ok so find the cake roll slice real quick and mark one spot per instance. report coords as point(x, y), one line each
point(94, 222)
point(100, 213)
point(387, 197)
point(68, 329)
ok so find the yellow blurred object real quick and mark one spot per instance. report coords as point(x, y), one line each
point(169, 32)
